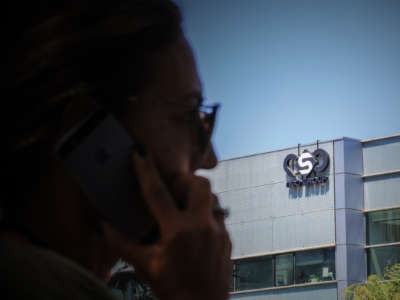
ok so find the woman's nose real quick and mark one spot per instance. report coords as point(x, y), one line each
point(209, 160)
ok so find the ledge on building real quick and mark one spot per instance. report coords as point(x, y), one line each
point(275, 288)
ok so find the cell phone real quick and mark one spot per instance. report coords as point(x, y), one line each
point(98, 153)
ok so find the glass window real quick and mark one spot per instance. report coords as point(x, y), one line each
point(253, 273)
point(381, 258)
point(284, 269)
point(383, 227)
point(315, 266)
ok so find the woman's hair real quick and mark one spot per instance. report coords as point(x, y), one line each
point(57, 51)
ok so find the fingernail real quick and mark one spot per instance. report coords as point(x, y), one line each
point(140, 149)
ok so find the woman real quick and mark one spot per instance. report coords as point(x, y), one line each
point(131, 59)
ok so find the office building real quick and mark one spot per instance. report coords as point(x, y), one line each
point(310, 220)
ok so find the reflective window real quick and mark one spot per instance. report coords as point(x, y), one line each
point(284, 269)
point(381, 258)
point(315, 266)
point(253, 273)
point(383, 227)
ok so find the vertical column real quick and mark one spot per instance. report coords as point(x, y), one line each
point(349, 204)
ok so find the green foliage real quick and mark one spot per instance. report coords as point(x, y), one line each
point(314, 278)
point(375, 288)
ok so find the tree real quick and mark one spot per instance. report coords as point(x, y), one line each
point(387, 288)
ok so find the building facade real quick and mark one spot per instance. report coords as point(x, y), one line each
point(310, 220)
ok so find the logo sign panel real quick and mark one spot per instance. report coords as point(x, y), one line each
point(305, 169)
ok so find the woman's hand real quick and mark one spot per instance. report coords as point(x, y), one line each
point(192, 258)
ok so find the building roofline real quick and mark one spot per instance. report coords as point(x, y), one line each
point(312, 144)
point(380, 138)
point(288, 148)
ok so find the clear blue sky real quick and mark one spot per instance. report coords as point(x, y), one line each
point(294, 71)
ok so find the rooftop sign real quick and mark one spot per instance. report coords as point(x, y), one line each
point(305, 169)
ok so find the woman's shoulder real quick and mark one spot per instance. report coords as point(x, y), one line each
point(28, 272)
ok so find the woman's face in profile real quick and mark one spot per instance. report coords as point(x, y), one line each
point(165, 115)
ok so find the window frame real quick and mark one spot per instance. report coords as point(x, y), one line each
point(293, 262)
point(324, 261)
point(367, 226)
point(380, 245)
point(235, 271)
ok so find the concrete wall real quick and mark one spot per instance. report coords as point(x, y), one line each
point(266, 216)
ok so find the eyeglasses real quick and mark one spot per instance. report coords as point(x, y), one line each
point(207, 115)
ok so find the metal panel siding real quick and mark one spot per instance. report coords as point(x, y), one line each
point(325, 292)
point(249, 204)
point(248, 171)
point(274, 200)
point(382, 192)
point(350, 227)
point(305, 230)
point(341, 264)
point(348, 157)
point(349, 191)
point(381, 156)
point(283, 233)
point(356, 267)
point(355, 231)
point(265, 215)
point(251, 238)
point(256, 170)
point(350, 235)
